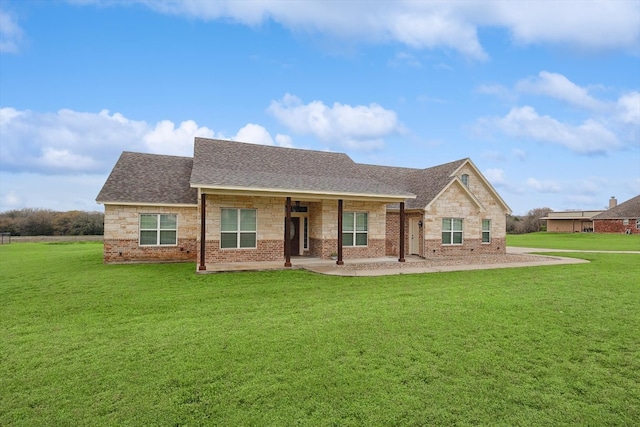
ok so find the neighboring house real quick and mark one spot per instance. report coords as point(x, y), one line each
point(622, 218)
point(570, 221)
point(238, 202)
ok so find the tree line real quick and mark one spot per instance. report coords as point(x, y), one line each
point(45, 222)
point(529, 223)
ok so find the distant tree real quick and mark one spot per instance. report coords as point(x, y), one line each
point(44, 222)
point(38, 223)
point(528, 223)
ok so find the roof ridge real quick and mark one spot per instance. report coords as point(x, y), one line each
point(231, 141)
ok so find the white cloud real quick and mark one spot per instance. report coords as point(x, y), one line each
point(72, 142)
point(165, 138)
point(360, 127)
point(628, 108)
point(10, 33)
point(558, 86)
point(543, 186)
point(582, 25)
point(590, 137)
point(496, 176)
point(585, 25)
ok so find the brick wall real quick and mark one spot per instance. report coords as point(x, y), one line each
point(615, 226)
point(435, 248)
point(121, 239)
point(123, 250)
point(392, 241)
point(323, 228)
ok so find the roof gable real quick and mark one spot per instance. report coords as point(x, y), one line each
point(465, 190)
point(484, 181)
point(149, 179)
point(629, 209)
point(224, 165)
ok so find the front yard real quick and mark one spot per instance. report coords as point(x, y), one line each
point(89, 344)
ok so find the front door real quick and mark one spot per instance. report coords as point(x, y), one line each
point(414, 236)
point(294, 236)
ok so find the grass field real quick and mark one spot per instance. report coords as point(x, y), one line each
point(576, 241)
point(87, 344)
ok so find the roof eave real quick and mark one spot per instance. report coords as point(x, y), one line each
point(307, 194)
point(149, 204)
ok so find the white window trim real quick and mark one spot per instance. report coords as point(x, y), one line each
point(485, 231)
point(238, 232)
point(453, 231)
point(354, 232)
point(156, 229)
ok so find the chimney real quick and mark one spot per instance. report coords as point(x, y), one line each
point(613, 202)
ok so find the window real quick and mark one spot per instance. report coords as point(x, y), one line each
point(238, 228)
point(465, 179)
point(354, 228)
point(452, 231)
point(638, 223)
point(486, 231)
point(158, 229)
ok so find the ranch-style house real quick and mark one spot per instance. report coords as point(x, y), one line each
point(240, 202)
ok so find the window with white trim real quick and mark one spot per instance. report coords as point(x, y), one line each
point(486, 231)
point(451, 231)
point(638, 223)
point(465, 179)
point(158, 229)
point(355, 228)
point(238, 228)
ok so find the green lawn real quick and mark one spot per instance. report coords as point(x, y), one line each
point(82, 343)
point(576, 241)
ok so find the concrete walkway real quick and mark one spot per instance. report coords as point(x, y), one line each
point(516, 257)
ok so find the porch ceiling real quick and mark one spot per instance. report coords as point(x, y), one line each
point(304, 194)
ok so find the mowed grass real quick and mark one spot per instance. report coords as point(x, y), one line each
point(576, 241)
point(83, 343)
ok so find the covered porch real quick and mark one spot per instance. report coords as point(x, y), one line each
point(292, 230)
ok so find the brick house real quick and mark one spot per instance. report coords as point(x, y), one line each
point(622, 218)
point(238, 202)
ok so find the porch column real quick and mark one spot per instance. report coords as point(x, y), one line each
point(203, 216)
point(339, 261)
point(287, 231)
point(401, 258)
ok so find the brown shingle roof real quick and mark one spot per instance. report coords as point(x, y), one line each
point(229, 164)
point(149, 178)
point(629, 209)
point(425, 183)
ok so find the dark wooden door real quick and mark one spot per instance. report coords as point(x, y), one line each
point(294, 236)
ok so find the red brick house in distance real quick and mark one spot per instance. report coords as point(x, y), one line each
point(239, 202)
point(622, 218)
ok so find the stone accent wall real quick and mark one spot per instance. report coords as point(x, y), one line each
point(615, 226)
point(455, 203)
point(121, 238)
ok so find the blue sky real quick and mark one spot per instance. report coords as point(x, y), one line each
point(544, 97)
